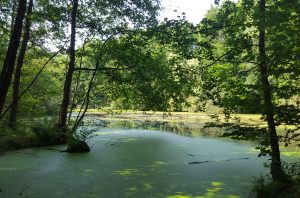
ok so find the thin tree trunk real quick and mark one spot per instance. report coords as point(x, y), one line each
point(77, 81)
point(15, 102)
point(9, 62)
point(62, 120)
point(86, 100)
point(276, 168)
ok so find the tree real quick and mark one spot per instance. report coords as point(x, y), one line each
point(62, 120)
point(104, 19)
point(243, 38)
point(16, 85)
point(276, 169)
point(9, 62)
point(138, 72)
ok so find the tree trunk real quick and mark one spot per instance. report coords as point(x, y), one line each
point(276, 168)
point(15, 101)
point(9, 62)
point(13, 15)
point(62, 120)
point(77, 81)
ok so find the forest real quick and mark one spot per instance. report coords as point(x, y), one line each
point(106, 93)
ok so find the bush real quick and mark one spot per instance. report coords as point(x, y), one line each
point(11, 139)
point(264, 187)
point(47, 134)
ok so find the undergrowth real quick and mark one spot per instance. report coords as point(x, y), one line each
point(265, 187)
point(30, 133)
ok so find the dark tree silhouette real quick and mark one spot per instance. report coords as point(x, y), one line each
point(11, 54)
point(62, 120)
point(16, 86)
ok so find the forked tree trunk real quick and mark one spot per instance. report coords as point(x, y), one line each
point(62, 120)
point(15, 101)
point(276, 168)
point(11, 54)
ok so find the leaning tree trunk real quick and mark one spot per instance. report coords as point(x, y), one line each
point(276, 168)
point(62, 120)
point(11, 54)
point(15, 101)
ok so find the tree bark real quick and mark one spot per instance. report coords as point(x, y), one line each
point(276, 168)
point(62, 120)
point(15, 101)
point(9, 62)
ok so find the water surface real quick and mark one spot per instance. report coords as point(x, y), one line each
point(134, 163)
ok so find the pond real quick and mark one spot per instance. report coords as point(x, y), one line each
point(134, 163)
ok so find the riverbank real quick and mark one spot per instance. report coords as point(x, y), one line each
point(33, 133)
point(39, 132)
point(188, 117)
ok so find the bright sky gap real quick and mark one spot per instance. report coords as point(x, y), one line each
point(194, 9)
